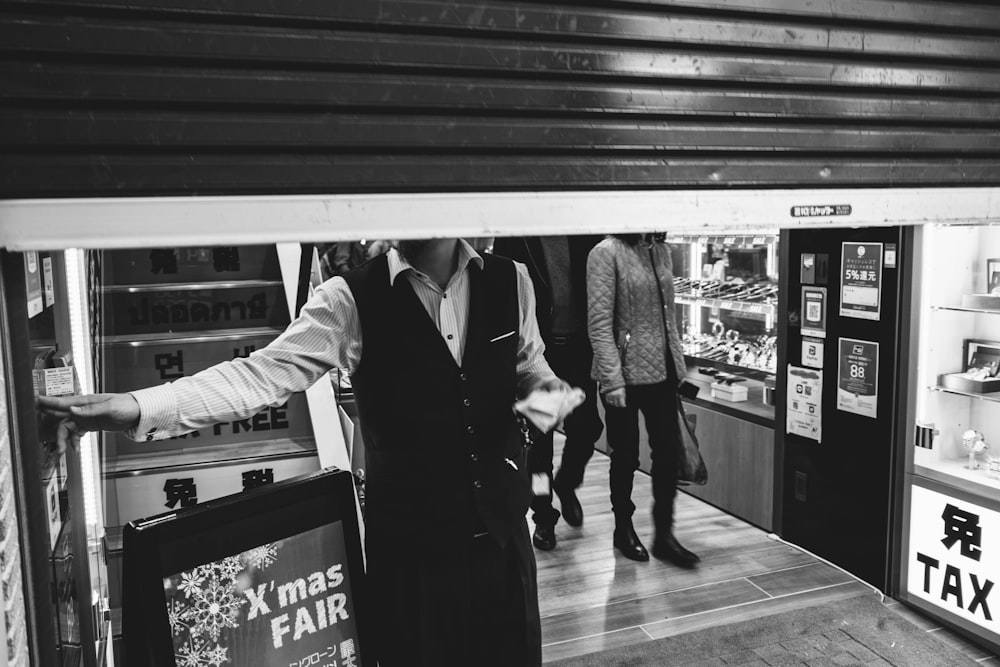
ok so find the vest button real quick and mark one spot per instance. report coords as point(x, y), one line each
point(474, 457)
point(463, 377)
point(470, 429)
point(466, 402)
point(477, 484)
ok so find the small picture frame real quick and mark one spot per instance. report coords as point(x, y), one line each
point(993, 275)
point(984, 355)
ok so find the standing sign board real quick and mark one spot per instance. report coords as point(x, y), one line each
point(861, 280)
point(268, 577)
point(857, 377)
point(804, 403)
point(954, 557)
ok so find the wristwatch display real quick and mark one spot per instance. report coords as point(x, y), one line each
point(726, 291)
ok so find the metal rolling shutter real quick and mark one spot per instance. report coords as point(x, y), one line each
point(189, 97)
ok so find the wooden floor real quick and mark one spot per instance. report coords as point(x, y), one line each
point(591, 598)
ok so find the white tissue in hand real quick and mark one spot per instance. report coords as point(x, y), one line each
point(546, 409)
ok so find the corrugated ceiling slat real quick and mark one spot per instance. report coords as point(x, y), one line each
point(22, 129)
point(215, 174)
point(222, 89)
point(581, 23)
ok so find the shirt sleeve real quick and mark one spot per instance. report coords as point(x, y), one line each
point(532, 368)
point(325, 335)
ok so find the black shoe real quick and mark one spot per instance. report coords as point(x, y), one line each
point(544, 538)
point(627, 542)
point(572, 512)
point(666, 547)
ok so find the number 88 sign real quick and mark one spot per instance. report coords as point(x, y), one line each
point(857, 377)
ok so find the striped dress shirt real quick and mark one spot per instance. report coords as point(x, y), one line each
point(327, 335)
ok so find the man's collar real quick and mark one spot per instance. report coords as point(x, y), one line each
point(466, 254)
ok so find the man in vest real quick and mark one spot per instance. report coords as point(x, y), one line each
point(439, 342)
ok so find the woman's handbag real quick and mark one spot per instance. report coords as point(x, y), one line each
point(690, 466)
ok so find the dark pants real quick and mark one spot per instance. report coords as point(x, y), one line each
point(476, 604)
point(658, 404)
point(570, 358)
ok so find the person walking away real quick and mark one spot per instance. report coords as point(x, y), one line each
point(639, 365)
point(439, 341)
point(558, 269)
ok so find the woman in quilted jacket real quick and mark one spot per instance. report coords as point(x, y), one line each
point(639, 364)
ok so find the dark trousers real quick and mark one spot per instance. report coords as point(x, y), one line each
point(658, 404)
point(570, 358)
point(474, 603)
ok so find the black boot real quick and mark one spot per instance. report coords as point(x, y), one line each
point(666, 547)
point(544, 537)
point(572, 512)
point(627, 542)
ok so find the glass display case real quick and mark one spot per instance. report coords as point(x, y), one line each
point(951, 522)
point(726, 296)
point(958, 346)
point(726, 291)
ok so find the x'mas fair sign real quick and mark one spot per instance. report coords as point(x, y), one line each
point(954, 557)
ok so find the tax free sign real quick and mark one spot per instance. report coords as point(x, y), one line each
point(954, 557)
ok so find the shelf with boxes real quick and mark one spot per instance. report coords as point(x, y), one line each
point(958, 341)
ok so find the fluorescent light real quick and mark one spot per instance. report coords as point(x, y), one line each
point(79, 307)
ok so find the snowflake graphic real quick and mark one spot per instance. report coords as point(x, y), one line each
point(191, 581)
point(214, 610)
point(208, 601)
point(260, 557)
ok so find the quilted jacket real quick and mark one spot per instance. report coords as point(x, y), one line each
point(623, 314)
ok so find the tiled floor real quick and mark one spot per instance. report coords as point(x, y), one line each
point(592, 599)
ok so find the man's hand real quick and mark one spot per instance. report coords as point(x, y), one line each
point(553, 384)
point(616, 397)
point(95, 412)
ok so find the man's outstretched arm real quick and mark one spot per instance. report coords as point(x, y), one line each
point(95, 412)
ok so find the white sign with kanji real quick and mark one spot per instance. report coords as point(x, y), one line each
point(954, 557)
point(147, 495)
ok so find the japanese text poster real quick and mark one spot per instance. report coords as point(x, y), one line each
point(954, 557)
point(804, 404)
point(861, 280)
point(857, 377)
point(285, 603)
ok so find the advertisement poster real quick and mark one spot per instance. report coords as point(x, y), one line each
point(812, 352)
point(857, 377)
point(814, 311)
point(48, 282)
point(861, 280)
point(285, 603)
point(33, 283)
point(804, 407)
point(954, 557)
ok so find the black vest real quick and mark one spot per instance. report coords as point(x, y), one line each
point(443, 452)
